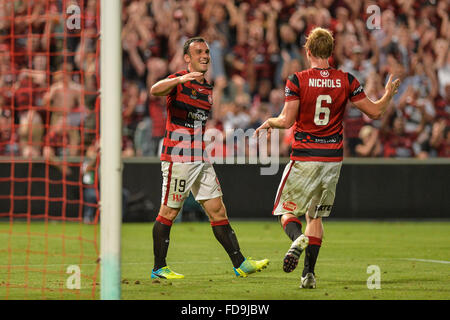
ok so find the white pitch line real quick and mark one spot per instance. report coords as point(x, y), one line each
point(93, 264)
point(427, 260)
point(194, 262)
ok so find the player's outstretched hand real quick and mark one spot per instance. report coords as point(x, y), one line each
point(264, 126)
point(190, 76)
point(392, 87)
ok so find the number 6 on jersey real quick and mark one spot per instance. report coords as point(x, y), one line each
point(322, 110)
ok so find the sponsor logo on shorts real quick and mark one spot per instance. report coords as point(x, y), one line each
point(177, 197)
point(324, 207)
point(289, 206)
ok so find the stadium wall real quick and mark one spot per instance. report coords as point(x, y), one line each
point(367, 189)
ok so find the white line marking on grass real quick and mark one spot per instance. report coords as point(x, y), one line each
point(93, 264)
point(427, 260)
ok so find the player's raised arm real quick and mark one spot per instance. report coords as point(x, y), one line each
point(163, 87)
point(375, 109)
point(285, 120)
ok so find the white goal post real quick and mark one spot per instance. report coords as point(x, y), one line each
point(110, 149)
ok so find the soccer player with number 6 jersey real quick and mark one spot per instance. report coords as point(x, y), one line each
point(315, 101)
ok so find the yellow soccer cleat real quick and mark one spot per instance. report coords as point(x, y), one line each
point(250, 266)
point(165, 273)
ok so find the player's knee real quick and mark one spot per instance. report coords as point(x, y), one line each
point(310, 220)
point(285, 217)
point(215, 210)
point(219, 214)
point(168, 213)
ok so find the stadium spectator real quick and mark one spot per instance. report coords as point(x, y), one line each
point(357, 65)
point(397, 143)
point(370, 145)
point(157, 110)
point(442, 105)
point(8, 140)
point(438, 145)
point(134, 108)
point(29, 90)
point(65, 101)
point(30, 131)
point(90, 184)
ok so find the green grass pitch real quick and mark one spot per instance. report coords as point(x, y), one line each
point(413, 258)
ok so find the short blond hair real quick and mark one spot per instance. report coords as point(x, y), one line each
point(320, 43)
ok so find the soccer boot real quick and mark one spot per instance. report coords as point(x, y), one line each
point(250, 266)
point(165, 273)
point(290, 260)
point(308, 281)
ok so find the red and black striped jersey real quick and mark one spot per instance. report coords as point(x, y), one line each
point(188, 108)
point(322, 95)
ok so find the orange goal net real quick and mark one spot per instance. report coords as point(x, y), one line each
point(49, 136)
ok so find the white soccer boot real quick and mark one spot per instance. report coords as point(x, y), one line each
point(308, 281)
point(290, 260)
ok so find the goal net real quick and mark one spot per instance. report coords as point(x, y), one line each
point(49, 147)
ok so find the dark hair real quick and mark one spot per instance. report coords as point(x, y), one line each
point(188, 43)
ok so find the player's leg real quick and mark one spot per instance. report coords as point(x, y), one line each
point(215, 209)
point(226, 236)
point(290, 202)
point(177, 181)
point(283, 207)
point(208, 192)
point(319, 208)
point(161, 240)
point(293, 228)
point(291, 225)
point(314, 232)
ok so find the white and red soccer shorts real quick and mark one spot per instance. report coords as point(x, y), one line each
point(307, 187)
point(180, 178)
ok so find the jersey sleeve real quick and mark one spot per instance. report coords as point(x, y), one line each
point(292, 89)
point(175, 75)
point(356, 89)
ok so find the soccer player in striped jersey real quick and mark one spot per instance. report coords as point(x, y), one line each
point(185, 165)
point(315, 101)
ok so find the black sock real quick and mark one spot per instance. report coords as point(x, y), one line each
point(161, 232)
point(227, 238)
point(293, 228)
point(311, 254)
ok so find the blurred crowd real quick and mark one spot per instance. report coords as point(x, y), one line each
point(49, 86)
